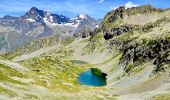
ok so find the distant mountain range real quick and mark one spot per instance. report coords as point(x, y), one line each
point(16, 31)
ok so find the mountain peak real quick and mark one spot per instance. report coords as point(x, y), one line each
point(7, 17)
point(33, 10)
point(34, 13)
point(81, 16)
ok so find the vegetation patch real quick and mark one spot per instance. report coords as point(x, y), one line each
point(7, 72)
point(96, 44)
point(7, 92)
point(164, 96)
point(98, 73)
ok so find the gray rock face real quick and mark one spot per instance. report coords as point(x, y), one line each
point(156, 50)
point(118, 14)
point(117, 31)
point(32, 19)
point(134, 49)
point(83, 32)
point(87, 25)
point(40, 15)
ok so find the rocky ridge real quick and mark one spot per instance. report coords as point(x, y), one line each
point(36, 24)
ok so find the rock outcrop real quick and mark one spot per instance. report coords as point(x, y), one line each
point(117, 31)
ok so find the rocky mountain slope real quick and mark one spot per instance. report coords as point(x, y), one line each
point(133, 51)
point(35, 24)
point(86, 26)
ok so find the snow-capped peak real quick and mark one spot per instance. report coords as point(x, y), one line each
point(36, 15)
point(76, 21)
point(82, 16)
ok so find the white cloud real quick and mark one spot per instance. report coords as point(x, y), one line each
point(114, 8)
point(130, 5)
point(127, 5)
point(100, 1)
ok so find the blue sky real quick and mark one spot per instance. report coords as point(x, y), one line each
point(70, 8)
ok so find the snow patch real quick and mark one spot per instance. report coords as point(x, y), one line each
point(50, 21)
point(30, 20)
point(72, 24)
point(82, 16)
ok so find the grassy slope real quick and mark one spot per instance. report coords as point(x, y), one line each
point(141, 72)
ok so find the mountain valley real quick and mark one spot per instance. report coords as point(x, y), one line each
point(43, 54)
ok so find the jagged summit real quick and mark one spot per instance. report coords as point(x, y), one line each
point(33, 9)
point(81, 16)
point(81, 20)
point(34, 12)
point(37, 23)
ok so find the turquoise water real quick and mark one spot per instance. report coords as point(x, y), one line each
point(88, 78)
